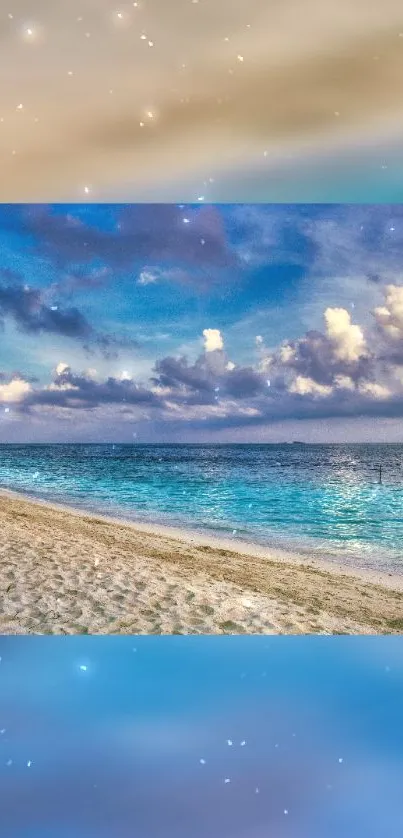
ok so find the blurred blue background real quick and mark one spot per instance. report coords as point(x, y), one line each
point(221, 737)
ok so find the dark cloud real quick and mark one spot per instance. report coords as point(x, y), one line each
point(81, 391)
point(314, 357)
point(26, 307)
point(30, 312)
point(209, 378)
point(133, 234)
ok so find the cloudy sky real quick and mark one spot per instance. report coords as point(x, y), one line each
point(200, 322)
point(180, 99)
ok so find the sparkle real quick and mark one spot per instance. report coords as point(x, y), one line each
point(86, 189)
point(186, 220)
point(229, 742)
point(240, 58)
point(340, 759)
point(6, 410)
point(202, 762)
point(83, 667)
point(29, 763)
point(20, 107)
point(227, 780)
point(286, 811)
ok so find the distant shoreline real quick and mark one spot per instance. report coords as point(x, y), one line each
point(63, 570)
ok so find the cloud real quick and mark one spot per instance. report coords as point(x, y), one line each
point(389, 317)
point(136, 234)
point(347, 339)
point(148, 277)
point(303, 386)
point(334, 373)
point(212, 340)
point(27, 307)
point(76, 391)
point(15, 391)
point(374, 390)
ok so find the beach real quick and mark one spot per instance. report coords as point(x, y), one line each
point(63, 571)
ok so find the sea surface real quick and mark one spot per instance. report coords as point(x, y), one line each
point(322, 500)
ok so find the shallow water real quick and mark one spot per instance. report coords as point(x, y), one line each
point(321, 499)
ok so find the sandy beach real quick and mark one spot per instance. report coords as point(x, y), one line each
point(64, 571)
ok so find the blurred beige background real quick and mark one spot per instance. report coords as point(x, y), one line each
point(101, 100)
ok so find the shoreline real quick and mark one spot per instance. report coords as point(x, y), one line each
point(240, 546)
point(66, 570)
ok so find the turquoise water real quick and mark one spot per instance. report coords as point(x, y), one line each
point(321, 499)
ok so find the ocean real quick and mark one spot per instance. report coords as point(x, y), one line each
point(320, 500)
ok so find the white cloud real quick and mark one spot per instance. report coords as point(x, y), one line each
point(61, 368)
point(304, 386)
point(374, 390)
point(212, 340)
point(390, 316)
point(15, 391)
point(347, 339)
point(344, 382)
point(147, 278)
point(287, 353)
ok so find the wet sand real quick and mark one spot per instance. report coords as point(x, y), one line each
point(67, 572)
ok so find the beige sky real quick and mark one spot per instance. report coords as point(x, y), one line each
point(162, 92)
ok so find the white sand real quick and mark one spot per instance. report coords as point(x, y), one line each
point(62, 571)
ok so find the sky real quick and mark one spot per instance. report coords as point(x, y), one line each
point(230, 737)
point(201, 322)
point(213, 99)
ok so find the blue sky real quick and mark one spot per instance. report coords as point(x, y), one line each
point(126, 736)
point(223, 322)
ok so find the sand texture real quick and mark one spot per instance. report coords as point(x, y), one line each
point(62, 571)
